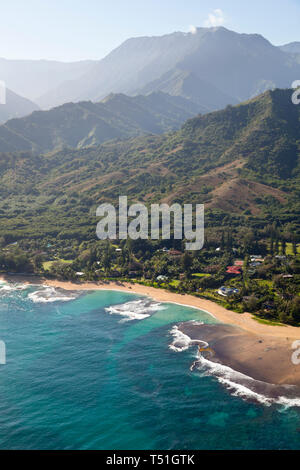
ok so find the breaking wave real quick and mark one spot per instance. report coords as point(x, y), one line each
point(51, 294)
point(238, 384)
point(247, 388)
point(182, 342)
point(135, 310)
point(6, 288)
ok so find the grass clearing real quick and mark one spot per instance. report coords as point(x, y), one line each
point(47, 264)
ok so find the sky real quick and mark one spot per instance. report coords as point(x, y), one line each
point(70, 30)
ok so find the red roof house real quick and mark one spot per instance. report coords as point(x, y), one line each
point(233, 270)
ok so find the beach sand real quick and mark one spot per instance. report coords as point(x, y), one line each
point(264, 358)
point(261, 351)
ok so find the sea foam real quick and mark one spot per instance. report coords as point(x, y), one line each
point(6, 287)
point(135, 310)
point(238, 384)
point(247, 388)
point(50, 294)
point(181, 342)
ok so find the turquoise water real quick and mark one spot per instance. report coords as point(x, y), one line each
point(80, 377)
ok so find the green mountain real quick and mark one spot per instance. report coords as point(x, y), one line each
point(82, 124)
point(242, 162)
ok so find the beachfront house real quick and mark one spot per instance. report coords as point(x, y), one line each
point(227, 291)
point(162, 278)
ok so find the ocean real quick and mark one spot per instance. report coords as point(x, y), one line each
point(110, 370)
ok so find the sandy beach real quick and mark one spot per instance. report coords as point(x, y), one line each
point(244, 321)
point(261, 351)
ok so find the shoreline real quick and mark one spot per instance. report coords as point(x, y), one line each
point(244, 321)
point(263, 352)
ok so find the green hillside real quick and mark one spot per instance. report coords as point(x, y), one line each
point(77, 125)
point(242, 161)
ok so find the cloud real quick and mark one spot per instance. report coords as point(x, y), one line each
point(193, 29)
point(216, 18)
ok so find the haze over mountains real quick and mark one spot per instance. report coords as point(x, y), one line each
point(212, 68)
point(292, 48)
point(15, 107)
point(234, 66)
point(34, 78)
point(82, 124)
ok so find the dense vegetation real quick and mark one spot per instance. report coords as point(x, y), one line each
point(242, 163)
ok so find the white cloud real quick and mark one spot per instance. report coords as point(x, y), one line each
point(216, 18)
point(193, 29)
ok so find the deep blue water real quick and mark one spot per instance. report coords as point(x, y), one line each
point(78, 377)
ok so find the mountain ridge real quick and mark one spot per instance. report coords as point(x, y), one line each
point(85, 123)
point(243, 161)
point(253, 65)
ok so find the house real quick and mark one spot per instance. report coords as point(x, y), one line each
point(227, 291)
point(233, 270)
point(118, 250)
point(256, 261)
point(175, 253)
point(255, 264)
point(239, 262)
point(256, 258)
point(280, 257)
point(79, 274)
point(162, 278)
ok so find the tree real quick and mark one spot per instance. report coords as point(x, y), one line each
point(187, 262)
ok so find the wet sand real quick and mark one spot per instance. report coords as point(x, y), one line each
point(266, 359)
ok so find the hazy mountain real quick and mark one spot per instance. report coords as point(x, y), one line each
point(178, 82)
point(240, 65)
point(126, 69)
point(33, 78)
point(236, 66)
point(15, 107)
point(292, 48)
point(87, 123)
